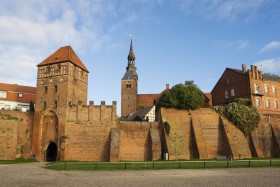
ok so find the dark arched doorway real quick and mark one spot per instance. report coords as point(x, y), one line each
point(51, 152)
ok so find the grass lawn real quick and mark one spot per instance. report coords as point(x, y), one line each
point(17, 161)
point(161, 165)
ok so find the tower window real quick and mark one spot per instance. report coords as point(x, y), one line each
point(128, 85)
point(44, 105)
point(55, 88)
point(45, 89)
point(55, 104)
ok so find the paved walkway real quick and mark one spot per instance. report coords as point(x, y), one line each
point(33, 174)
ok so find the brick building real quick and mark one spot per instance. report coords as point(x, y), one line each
point(16, 97)
point(261, 88)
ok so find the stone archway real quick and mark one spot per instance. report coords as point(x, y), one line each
point(51, 152)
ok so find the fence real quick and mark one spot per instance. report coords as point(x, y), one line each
point(165, 165)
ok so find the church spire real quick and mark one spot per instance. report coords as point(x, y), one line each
point(131, 56)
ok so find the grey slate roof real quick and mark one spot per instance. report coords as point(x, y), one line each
point(128, 76)
point(140, 114)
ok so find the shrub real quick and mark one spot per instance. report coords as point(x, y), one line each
point(242, 114)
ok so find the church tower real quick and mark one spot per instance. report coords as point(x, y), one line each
point(62, 82)
point(129, 87)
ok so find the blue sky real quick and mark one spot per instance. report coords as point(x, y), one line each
point(174, 40)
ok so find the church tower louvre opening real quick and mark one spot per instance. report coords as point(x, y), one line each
point(129, 85)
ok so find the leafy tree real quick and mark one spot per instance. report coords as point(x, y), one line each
point(242, 114)
point(183, 96)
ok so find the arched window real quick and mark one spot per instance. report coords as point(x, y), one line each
point(275, 104)
point(256, 88)
point(258, 102)
point(273, 89)
point(226, 94)
point(128, 85)
point(265, 88)
point(267, 103)
point(232, 93)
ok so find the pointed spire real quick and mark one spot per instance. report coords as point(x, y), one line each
point(131, 56)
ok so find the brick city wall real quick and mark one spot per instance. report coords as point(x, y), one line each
point(15, 134)
point(139, 141)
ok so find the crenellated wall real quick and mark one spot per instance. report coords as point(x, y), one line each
point(91, 112)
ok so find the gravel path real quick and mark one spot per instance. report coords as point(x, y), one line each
point(33, 174)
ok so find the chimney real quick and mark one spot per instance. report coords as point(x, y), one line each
point(260, 75)
point(256, 72)
point(253, 71)
point(243, 68)
point(167, 87)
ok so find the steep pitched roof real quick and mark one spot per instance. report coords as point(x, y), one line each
point(128, 76)
point(64, 54)
point(140, 114)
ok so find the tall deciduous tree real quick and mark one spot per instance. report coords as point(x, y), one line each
point(183, 96)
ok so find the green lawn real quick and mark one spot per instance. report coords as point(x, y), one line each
point(17, 161)
point(161, 165)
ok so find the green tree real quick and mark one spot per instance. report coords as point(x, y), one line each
point(242, 114)
point(183, 96)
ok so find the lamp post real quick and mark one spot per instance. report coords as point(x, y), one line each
point(175, 146)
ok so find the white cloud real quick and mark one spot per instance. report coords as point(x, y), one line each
point(223, 9)
point(271, 46)
point(269, 65)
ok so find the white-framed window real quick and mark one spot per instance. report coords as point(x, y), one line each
point(226, 94)
point(256, 88)
point(3, 94)
point(232, 93)
point(265, 88)
point(275, 104)
point(258, 102)
point(20, 95)
point(273, 89)
point(267, 103)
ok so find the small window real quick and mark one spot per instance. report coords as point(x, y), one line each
point(45, 89)
point(128, 85)
point(44, 105)
point(267, 103)
point(55, 104)
point(228, 81)
point(20, 95)
point(265, 88)
point(273, 89)
point(256, 88)
point(232, 93)
point(258, 102)
point(3, 94)
point(55, 88)
point(275, 104)
point(226, 94)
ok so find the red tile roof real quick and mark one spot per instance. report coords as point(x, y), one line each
point(64, 54)
point(29, 93)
